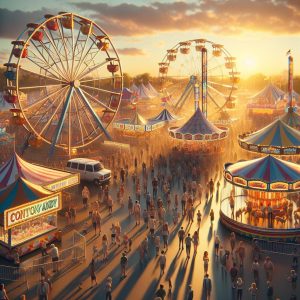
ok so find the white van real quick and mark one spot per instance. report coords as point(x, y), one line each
point(89, 169)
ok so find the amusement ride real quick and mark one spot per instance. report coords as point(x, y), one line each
point(64, 79)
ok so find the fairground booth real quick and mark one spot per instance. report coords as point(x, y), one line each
point(258, 205)
point(30, 198)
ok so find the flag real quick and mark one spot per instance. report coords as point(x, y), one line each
point(166, 99)
point(289, 52)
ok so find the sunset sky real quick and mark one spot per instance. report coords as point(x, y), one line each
point(257, 32)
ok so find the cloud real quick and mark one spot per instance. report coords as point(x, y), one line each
point(131, 51)
point(12, 23)
point(213, 16)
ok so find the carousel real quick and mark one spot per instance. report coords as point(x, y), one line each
point(277, 138)
point(259, 204)
point(291, 118)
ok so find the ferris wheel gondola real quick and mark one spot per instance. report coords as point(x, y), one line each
point(64, 76)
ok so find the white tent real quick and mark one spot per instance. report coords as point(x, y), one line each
point(134, 88)
point(152, 90)
point(143, 92)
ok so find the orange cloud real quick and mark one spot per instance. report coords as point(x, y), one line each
point(131, 51)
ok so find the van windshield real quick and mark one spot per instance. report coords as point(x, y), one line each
point(98, 167)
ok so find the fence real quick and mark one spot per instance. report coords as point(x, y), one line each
point(279, 247)
point(30, 270)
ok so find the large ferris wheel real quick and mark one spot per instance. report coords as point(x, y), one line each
point(64, 79)
point(204, 66)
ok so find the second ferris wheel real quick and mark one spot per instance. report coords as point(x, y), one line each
point(203, 70)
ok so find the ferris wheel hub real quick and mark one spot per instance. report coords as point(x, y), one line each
point(75, 83)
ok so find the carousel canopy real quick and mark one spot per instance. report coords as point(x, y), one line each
point(268, 95)
point(198, 128)
point(267, 173)
point(295, 96)
point(21, 192)
point(276, 138)
point(49, 178)
point(164, 116)
point(291, 118)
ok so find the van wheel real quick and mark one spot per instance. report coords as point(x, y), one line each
point(96, 182)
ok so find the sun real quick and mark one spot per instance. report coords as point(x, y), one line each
point(250, 63)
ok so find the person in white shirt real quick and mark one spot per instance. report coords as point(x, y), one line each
point(54, 256)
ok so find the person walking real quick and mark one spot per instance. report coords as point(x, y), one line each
point(270, 291)
point(239, 288)
point(54, 256)
point(195, 241)
point(188, 244)
point(124, 262)
point(130, 206)
point(233, 274)
point(157, 244)
point(207, 287)
point(217, 246)
point(85, 196)
point(42, 290)
point(165, 235)
point(181, 234)
point(108, 288)
point(137, 213)
point(199, 217)
point(190, 293)
point(162, 262)
point(3, 294)
point(104, 247)
point(255, 270)
point(232, 240)
point(292, 278)
point(205, 261)
point(241, 251)
point(269, 268)
point(253, 291)
point(161, 292)
point(212, 217)
point(92, 272)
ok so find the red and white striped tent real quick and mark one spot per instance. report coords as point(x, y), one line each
point(51, 179)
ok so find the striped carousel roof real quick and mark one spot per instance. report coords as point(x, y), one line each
point(164, 116)
point(291, 118)
point(21, 192)
point(266, 173)
point(198, 128)
point(17, 167)
point(276, 138)
point(270, 94)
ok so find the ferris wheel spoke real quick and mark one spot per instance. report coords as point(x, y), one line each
point(51, 55)
point(43, 114)
point(38, 86)
point(56, 75)
point(99, 102)
point(88, 71)
point(220, 84)
point(61, 32)
point(73, 48)
point(67, 72)
point(214, 68)
point(213, 100)
point(51, 118)
point(100, 90)
point(43, 99)
point(47, 63)
point(77, 68)
point(41, 75)
point(99, 78)
point(216, 91)
point(97, 119)
point(78, 118)
point(59, 127)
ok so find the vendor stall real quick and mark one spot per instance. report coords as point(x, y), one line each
point(28, 217)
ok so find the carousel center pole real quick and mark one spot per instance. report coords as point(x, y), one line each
point(290, 78)
point(204, 80)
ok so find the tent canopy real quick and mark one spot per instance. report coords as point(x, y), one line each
point(151, 89)
point(268, 95)
point(164, 116)
point(126, 94)
point(266, 173)
point(291, 118)
point(16, 167)
point(21, 192)
point(277, 134)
